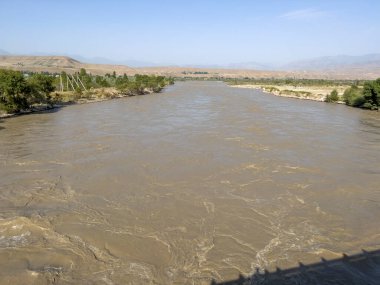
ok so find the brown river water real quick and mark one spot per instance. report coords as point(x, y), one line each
point(200, 182)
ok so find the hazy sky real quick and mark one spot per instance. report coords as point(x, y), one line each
point(191, 32)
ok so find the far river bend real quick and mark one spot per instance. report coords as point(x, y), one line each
point(200, 182)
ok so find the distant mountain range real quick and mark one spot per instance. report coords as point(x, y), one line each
point(94, 60)
point(3, 52)
point(103, 60)
point(338, 62)
point(334, 62)
point(316, 64)
point(238, 65)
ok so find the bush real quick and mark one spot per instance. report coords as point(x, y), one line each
point(367, 105)
point(368, 98)
point(358, 101)
point(57, 97)
point(333, 97)
point(353, 96)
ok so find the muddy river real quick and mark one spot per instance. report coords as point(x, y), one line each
point(200, 182)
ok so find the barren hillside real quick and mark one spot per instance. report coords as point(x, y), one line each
point(58, 64)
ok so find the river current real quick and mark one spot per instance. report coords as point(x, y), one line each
point(200, 182)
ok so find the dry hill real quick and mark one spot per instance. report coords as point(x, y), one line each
point(58, 64)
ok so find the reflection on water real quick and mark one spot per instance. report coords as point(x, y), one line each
point(200, 182)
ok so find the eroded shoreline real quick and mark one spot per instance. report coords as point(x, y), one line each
point(305, 92)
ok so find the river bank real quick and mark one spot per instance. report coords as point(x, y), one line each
point(62, 99)
point(24, 93)
point(314, 93)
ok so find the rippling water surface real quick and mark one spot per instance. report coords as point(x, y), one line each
point(201, 181)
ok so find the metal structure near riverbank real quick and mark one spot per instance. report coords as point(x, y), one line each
point(74, 82)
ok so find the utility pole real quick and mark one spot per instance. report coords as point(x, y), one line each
point(71, 83)
point(81, 82)
point(74, 81)
point(61, 83)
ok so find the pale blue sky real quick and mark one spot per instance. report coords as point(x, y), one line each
point(191, 32)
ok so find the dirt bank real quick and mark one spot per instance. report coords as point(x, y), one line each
point(315, 93)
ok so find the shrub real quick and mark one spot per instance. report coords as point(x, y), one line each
point(333, 97)
point(353, 96)
point(358, 101)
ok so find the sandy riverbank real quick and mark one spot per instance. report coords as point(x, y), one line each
point(315, 93)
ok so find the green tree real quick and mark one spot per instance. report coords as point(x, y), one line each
point(86, 78)
point(121, 83)
point(101, 81)
point(14, 91)
point(42, 85)
point(82, 72)
point(371, 94)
